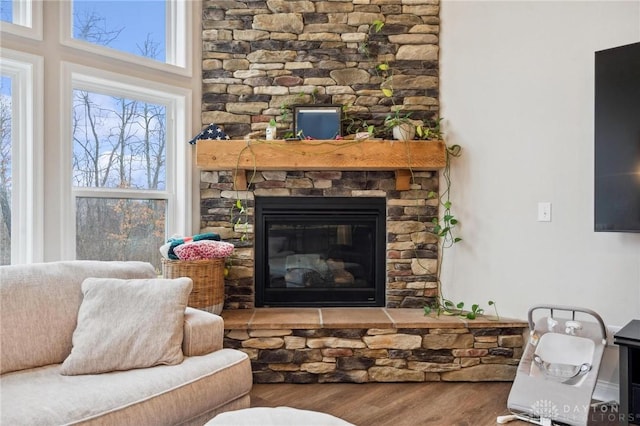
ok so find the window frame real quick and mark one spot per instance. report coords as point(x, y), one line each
point(27, 195)
point(49, 239)
point(179, 52)
point(178, 157)
point(27, 16)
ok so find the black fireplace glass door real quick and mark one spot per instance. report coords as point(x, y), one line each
point(311, 256)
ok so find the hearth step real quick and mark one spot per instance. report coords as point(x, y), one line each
point(359, 345)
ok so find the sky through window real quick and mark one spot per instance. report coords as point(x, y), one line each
point(6, 10)
point(132, 26)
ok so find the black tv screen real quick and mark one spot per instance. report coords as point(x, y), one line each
point(617, 139)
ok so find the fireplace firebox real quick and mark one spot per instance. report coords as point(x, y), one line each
point(320, 251)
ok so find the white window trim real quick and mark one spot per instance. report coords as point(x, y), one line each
point(179, 23)
point(27, 219)
point(179, 53)
point(178, 154)
point(27, 17)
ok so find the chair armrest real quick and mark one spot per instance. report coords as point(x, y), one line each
point(203, 332)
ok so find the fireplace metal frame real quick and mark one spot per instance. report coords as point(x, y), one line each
point(333, 209)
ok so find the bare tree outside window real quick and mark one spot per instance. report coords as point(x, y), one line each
point(90, 26)
point(123, 25)
point(5, 170)
point(118, 143)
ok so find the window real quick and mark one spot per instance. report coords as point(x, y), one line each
point(119, 176)
point(151, 30)
point(5, 170)
point(123, 155)
point(119, 142)
point(98, 165)
point(21, 17)
point(20, 159)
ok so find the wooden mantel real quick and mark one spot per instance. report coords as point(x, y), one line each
point(345, 155)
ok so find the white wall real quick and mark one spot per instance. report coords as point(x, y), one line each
point(517, 94)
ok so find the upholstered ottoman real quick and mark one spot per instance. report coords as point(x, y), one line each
point(278, 416)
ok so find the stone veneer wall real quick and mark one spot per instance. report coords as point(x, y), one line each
point(411, 246)
point(472, 353)
point(262, 56)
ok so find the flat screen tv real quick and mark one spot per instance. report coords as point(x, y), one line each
point(617, 139)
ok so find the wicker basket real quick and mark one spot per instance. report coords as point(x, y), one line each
point(208, 281)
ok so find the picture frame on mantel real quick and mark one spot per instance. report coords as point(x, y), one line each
point(320, 121)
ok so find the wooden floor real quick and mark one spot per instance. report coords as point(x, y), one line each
point(397, 404)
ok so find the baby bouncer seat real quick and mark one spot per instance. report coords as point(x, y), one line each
point(558, 370)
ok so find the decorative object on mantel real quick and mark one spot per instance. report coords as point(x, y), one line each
point(431, 132)
point(212, 131)
point(319, 121)
point(402, 127)
point(404, 131)
point(271, 130)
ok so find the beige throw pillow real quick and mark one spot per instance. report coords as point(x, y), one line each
point(127, 324)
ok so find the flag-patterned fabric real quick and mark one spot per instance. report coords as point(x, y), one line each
point(213, 131)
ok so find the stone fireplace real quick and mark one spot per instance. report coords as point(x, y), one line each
point(259, 59)
point(410, 249)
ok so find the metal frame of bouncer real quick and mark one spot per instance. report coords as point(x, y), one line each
point(556, 375)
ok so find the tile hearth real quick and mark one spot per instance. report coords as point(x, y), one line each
point(317, 345)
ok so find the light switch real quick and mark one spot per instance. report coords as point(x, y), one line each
point(544, 212)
